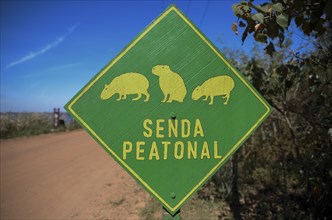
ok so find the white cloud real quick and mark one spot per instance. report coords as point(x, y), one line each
point(51, 70)
point(48, 47)
point(72, 29)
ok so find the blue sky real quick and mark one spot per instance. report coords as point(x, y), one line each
point(51, 49)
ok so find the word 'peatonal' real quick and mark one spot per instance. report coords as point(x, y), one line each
point(172, 139)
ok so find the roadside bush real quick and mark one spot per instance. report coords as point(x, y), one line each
point(27, 124)
point(73, 125)
point(24, 124)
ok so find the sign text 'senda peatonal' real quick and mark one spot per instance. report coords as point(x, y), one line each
point(187, 146)
point(169, 108)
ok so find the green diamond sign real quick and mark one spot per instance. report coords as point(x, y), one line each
point(169, 108)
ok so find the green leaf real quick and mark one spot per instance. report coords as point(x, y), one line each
point(261, 37)
point(258, 17)
point(264, 7)
point(282, 20)
point(277, 7)
point(235, 8)
point(269, 49)
point(246, 8)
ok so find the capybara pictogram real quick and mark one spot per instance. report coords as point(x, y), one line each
point(127, 84)
point(215, 86)
point(171, 84)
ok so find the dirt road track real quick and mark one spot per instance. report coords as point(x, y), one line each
point(65, 176)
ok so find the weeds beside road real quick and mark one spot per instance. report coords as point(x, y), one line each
point(27, 124)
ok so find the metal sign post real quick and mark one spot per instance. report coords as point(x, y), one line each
point(170, 109)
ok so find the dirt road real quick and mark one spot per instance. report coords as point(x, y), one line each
point(65, 176)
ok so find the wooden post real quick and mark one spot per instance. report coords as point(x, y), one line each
point(56, 117)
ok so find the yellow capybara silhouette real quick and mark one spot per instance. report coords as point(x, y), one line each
point(171, 83)
point(215, 86)
point(127, 84)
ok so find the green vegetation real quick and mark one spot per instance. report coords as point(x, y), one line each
point(284, 171)
point(195, 208)
point(24, 124)
point(268, 22)
point(27, 124)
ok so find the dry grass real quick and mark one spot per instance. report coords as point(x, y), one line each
point(27, 124)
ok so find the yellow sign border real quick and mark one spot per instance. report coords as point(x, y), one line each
point(154, 23)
